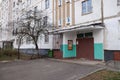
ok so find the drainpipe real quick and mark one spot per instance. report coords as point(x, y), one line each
point(102, 20)
point(102, 12)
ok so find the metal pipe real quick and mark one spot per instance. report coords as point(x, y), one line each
point(102, 11)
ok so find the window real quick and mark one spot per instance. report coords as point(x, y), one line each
point(46, 38)
point(68, 13)
point(19, 0)
point(18, 42)
point(28, 40)
point(85, 35)
point(14, 32)
point(60, 23)
point(13, 4)
point(45, 21)
point(40, 22)
point(118, 2)
point(86, 6)
point(46, 4)
point(60, 2)
point(68, 20)
point(35, 8)
point(28, 2)
point(81, 35)
point(89, 35)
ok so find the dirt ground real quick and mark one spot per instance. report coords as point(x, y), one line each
point(103, 75)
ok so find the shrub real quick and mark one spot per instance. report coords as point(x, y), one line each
point(9, 52)
point(1, 53)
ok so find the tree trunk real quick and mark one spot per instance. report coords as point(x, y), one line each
point(37, 49)
point(18, 52)
point(19, 47)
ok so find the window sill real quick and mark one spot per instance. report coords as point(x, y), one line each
point(86, 13)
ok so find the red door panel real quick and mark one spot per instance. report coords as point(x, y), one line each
point(85, 48)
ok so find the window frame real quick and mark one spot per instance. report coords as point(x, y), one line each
point(88, 7)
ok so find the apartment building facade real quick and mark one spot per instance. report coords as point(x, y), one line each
point(0, 24)
point(6, 26)
point(20, 8)
point(88, 29)
point(82, 28)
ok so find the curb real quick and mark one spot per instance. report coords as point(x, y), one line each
point(7, 61)
point(77, 63)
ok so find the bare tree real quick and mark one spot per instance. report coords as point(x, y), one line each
point(20, 38)
point(33, 24)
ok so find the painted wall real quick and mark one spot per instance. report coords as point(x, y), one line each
point(69, 36)
point(111, 8)
point(94, 15)
point(41, 44)
point(69, 53)
point(98, 51)
point(41, 6)
point(48, 45)
point(98, 44)
point(112, 34)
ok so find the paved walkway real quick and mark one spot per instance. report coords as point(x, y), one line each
point(110, 65)
point(44, 69)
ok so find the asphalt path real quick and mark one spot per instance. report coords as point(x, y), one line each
point(44, 69)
